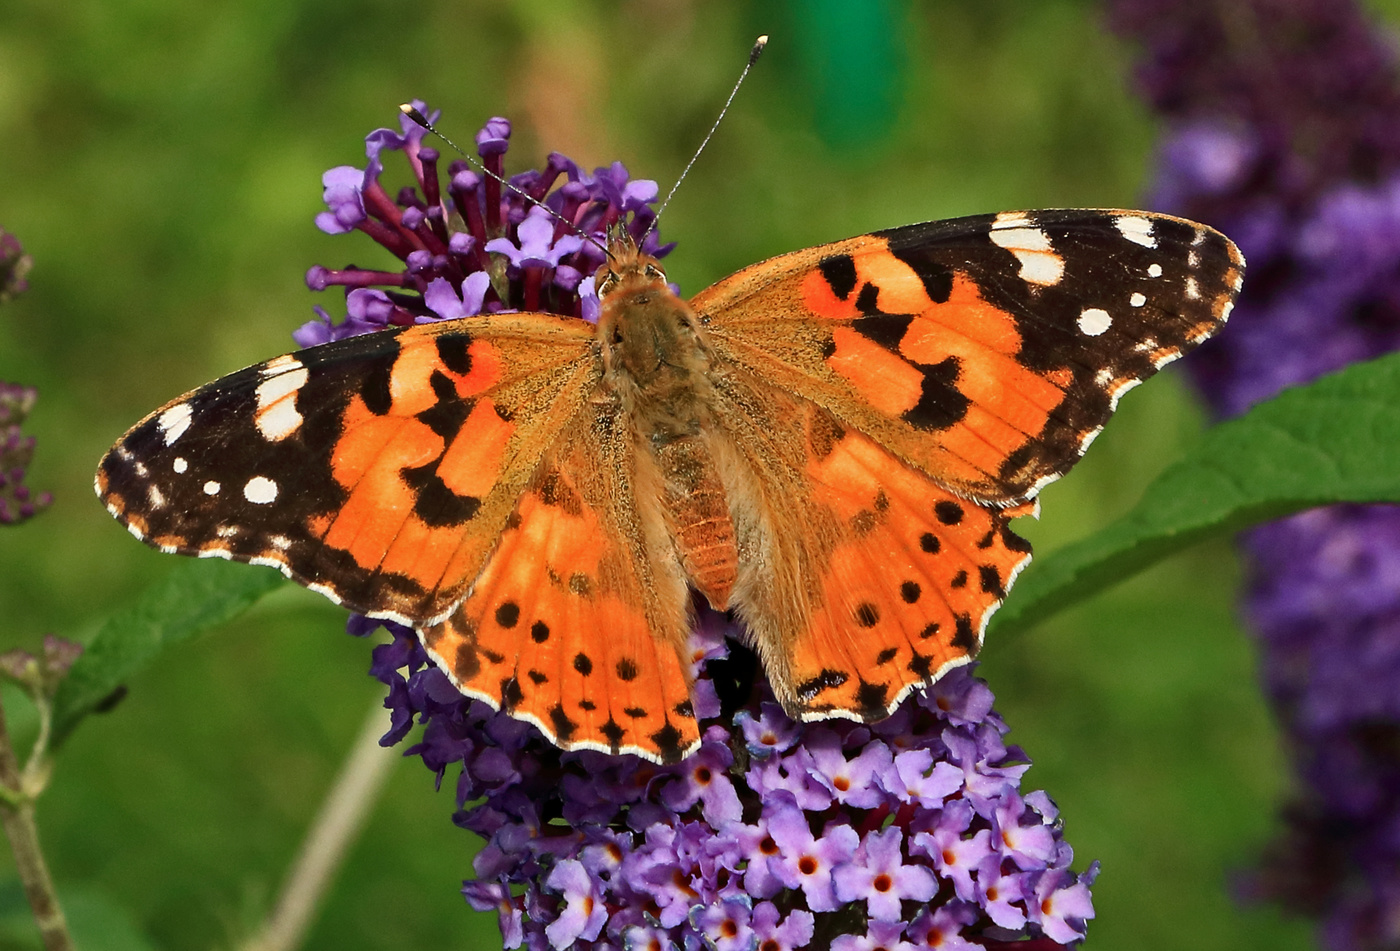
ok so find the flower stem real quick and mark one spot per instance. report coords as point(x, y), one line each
point(17, 817)
point(342, 816)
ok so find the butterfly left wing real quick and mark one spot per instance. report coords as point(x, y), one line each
point(378, 470)
point(578, 623)
point(985, 351)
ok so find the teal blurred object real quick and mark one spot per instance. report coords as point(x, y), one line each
point(853, 56)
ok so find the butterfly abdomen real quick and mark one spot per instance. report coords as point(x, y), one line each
point(699, 509)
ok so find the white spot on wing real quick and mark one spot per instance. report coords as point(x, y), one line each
point(1094, 321)
point(1031, 246)
point(277, 416)
point(154, 496)
point(226, 531)
point(223, 553)
point(1136, 229)
point(279, 420)
point(136, 532)
point(260, 490)
point(211, 487)
point(1193, 290)
point(1154, 270)
point(174, 421)
point(280, 365)
point(179, 465)
point(1138, 299)
point(280, 542)
point(1012, 219)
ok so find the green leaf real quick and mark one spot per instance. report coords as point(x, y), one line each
point(196, 596)
point(1335, 440)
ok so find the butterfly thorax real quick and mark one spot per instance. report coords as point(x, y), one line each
point(656, 364)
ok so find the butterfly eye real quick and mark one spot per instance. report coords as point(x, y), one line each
point(655, 272)
point(608, 284)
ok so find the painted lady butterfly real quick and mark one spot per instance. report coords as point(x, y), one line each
point(830, 444)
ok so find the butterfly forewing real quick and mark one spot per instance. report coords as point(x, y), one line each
point(986, 351)
point(378, 470)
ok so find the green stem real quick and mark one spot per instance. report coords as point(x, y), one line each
point(342, 817)
point(17, 817)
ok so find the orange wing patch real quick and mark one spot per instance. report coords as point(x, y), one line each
point(906, 592)
point(560, 629)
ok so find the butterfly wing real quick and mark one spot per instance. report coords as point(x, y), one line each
point(378, 470)
point(985, 351)
point(579, 621)
point(892, 401)
point(865, 577)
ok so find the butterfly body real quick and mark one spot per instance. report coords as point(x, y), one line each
point(657, 365)
point(831, 444)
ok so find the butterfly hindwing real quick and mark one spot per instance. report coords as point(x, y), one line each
point(986, 351)
point(869, 577)
point(579, 620)
point(378, 469)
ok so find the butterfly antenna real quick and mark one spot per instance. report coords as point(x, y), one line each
point(754, 53)
point(418, 117)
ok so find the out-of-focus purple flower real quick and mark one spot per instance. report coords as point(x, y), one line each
point(18, 503)
point(14, 265)
point(774, 835)
point(1284, 132)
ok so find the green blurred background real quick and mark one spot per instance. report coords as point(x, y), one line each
point(161, 161)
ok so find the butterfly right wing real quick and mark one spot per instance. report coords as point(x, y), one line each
point(378, 470)
point(862, 577)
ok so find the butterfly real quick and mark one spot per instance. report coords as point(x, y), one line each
point(829, 444)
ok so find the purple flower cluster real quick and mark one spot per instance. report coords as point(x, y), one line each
point(471, 245)
point(1284, 131)
point(774, 835)
point(17, 502)
point(911, 832)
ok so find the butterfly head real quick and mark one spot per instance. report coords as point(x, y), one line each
point(650, 340)
point(628, 270)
